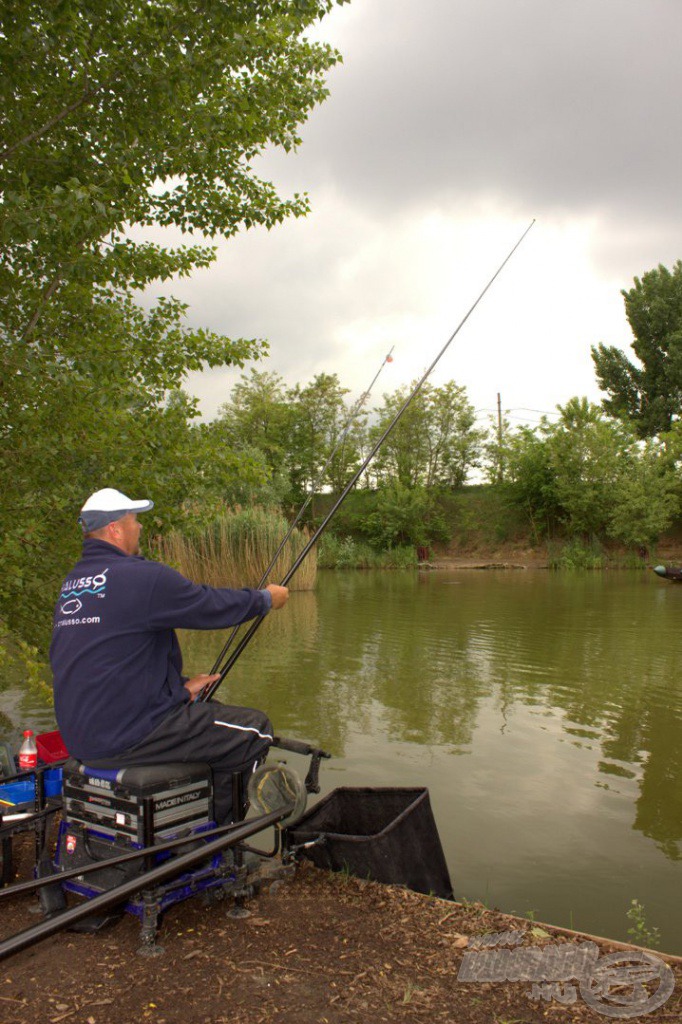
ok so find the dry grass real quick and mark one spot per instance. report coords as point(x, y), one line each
point(235, 549)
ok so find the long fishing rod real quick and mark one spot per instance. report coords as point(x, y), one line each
point(210, 690)
point(299, 515)
point(167, 870)
point(32, 884)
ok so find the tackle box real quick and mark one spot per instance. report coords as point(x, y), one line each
point(20, 793)
point(140, 805)
point(51, 747)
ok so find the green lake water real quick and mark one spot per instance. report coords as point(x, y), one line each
point(543, 711)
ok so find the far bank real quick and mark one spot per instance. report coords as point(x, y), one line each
point(478, 526)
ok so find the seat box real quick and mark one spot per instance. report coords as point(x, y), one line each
point(143, 804)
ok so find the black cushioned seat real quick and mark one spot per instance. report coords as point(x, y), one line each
point(145, 776)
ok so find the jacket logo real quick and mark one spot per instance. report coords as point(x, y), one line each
point(74, 590)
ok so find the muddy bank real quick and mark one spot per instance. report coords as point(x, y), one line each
point(522, 556)
point(322, 948)
point(505, 556)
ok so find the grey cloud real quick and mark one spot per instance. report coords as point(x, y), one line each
point(564, 110)
point(545, 105)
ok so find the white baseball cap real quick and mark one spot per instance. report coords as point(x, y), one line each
point(108, 505)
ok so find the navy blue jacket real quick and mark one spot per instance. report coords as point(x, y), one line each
point(116, 661)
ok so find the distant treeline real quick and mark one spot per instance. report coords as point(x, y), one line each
point(591, 473)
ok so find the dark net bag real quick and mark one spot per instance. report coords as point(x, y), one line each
point(386, 834)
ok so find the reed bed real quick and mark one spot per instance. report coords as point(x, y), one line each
point(235, 549)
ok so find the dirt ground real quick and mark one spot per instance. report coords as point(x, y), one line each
point(519, 555)
point(321, 948)
point(492, 558)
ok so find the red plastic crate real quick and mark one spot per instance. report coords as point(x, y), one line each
point(51, 747)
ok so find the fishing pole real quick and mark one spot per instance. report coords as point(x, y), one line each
point(32, 884)
point(299, 515)
point(212, 687)
point(167, 870)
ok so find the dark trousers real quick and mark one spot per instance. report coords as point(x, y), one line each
point(228, 738)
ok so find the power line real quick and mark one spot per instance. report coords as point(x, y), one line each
point(521, 408)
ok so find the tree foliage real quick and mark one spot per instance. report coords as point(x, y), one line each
point(645, 499)
point(256, 416)
point(405, 516)
point(308, 436)
point(588, 474)
point(119, 113)
point(434, 443)
point(116, 115)
point(587, 453)
point(529, 476)
point(325, 434)
point(648, 393)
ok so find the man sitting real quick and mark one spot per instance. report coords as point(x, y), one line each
point(120, 695)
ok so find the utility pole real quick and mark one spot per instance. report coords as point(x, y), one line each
point(500, 463)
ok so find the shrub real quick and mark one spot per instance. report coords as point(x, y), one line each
point(404, 516)
point(576, 554)
point(346, 553)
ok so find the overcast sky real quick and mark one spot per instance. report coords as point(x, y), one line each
point(450, 125)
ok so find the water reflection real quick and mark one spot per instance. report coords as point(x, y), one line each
point(542, 710)
point(557, 693)
point(410, 658)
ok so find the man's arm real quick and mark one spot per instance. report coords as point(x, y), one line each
point(176, 602)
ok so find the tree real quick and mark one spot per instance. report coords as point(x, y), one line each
point(141, 112)
point(529, 476)
point(587, 452)
point(257, 416)
point(645, 498)
point(434, 443)
point(121, 114)
point(589, 473)
point(495, 449)
point(295, 429)
point(70, 426)
point(649, 394)
point(321, 423)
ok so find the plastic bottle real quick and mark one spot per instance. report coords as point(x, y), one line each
point(28, 752)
